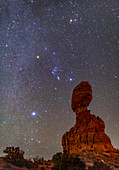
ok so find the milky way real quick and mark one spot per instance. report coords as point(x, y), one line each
point(47, 47)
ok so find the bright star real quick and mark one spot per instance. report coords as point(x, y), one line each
point(37, 57)
point(70, 79)
point(33, 113)
point(58, 78)
point(71, 20)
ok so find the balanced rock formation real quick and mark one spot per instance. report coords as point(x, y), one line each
point(88, 132)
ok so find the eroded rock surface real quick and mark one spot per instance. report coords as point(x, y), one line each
point(88, 132)
point(82, 96)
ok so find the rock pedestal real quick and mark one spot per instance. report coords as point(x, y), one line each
point(88, 132)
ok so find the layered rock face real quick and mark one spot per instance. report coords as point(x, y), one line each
point(88, 132)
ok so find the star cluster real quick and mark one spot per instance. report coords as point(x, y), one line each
point(47, 47)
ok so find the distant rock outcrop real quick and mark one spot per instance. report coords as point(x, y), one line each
point(88, 132)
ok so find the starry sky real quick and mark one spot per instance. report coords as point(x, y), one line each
point(47, 47)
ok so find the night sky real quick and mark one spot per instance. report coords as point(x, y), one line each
point(47, 47)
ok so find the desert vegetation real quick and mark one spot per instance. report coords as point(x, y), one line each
point(99, 165)
point(16, 156)
point(63, 161)
point(60, 161)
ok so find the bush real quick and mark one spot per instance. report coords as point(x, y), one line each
point(37, 161)
point(42, 168)
point(99, 166)
point(15, 155)
point(57, 159)
point(29, 164)
point(67, 162)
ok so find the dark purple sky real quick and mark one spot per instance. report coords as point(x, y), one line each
point(47, 47)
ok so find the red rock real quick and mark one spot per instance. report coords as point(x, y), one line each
point(88, 132)
point(82, 96)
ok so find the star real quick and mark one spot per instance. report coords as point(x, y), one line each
point(33, 113)
point(58, 78)
point(37, 57)
point(70, 79)
point(71, 20)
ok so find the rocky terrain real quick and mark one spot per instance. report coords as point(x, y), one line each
point(89, 161)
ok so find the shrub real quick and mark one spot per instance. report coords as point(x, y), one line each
point(99, 166)
point(66, 162)
point(57, 159)
point(37, 161)
point(42, 168)
point(29, 164)
point(15, 155)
